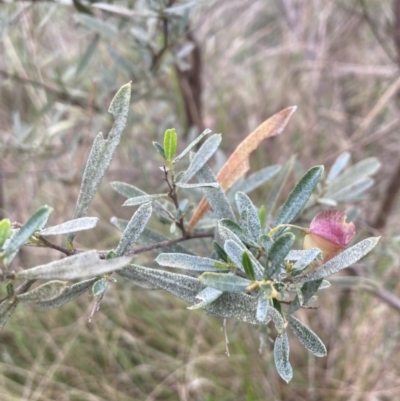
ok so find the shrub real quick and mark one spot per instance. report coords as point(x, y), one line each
point(250, 273)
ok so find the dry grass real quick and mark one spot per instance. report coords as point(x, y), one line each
point(258, 59)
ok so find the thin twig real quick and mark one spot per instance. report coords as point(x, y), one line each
point(59, 248)
point(64, 96)
point(169, 243)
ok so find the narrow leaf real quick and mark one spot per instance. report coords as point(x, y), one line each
point(83, 223)
point(235, 251)
point(139, 200)
point(307, 337)
point(192, 145)
point(299, 195)
point(238, 163)
point(307, 291)
point(45, 292)
point(238, 231)
point(339, 262)
point(248, 266)
point(220, 251)
point(308, 256)
point(250, 213)
point(5, 228)
point(224, 282)
point(134, 228)
point(206, 297)
point(262, 309)
point(358, 171)
point(160, 149)
point(205, 152)
point(353, 191)
point(215, 196)
point(199, 185)
point(277, 253)
point(184, 261)
point(239, 306)
point(338, 166)
point(7, 307)
point(85, 264)
point(99, 286)
point(127, 190)
point(281, 356)
point(34, 222)
point(170, 143)
point(69, 294)
point(102, 153)
point(255, 180)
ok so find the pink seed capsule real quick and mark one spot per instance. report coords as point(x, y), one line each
point(329, 232)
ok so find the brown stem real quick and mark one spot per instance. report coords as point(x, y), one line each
point(393, 188)
point(167, 243)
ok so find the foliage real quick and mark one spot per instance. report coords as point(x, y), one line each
point(254, 275)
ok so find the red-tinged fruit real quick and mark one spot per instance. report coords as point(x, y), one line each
point(329, 232)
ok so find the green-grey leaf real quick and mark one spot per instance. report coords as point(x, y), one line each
point(235, 251)
point(276, 255)
point(255, 180)
point(339, 262)
point(224, 282)
point(160, 149)
point(307, 337)
point(237, 230)
point(206, 297)
point(84, 61)
point(83, 223)
point(248, 210)
point(5, 228)
point(134, 228)
point(353, 191)
point(85, 264)
point(281, 356)
point(45, 292)
point(99, 286)
point(239, 306)
point(199, 185)
point(170, 143)
point(248, 266)
point(215, 196)
point(7, 307)
point(220, 251)
point(307, 257)
point(104, 29)
point(34, 222)
point(360, 170)
point(139, 200)
point(262, 309)
point(338, 166)
point(299, 195)
point(69, 294)
point(127, 190)
point(189, 262)
point(191, 145)
point(266, 242)
point(102, 153)
point(202, 156)
point(307, 291)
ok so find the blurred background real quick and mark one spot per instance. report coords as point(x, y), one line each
point(226, 65)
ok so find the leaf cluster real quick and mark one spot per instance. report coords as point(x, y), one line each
point(251, 273)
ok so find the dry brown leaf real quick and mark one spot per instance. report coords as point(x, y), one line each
point(238, 163)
